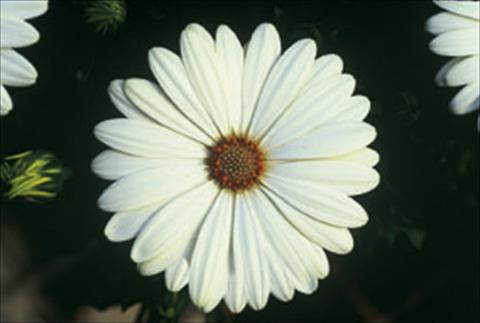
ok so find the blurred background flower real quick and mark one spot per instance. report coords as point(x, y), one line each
point(15, 32)
point(457, 31)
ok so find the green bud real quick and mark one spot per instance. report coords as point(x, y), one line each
point(106, 14)
point(33, 175)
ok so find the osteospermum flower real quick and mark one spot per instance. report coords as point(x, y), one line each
point(15, 32)
point(457, 33)
point(233, 172)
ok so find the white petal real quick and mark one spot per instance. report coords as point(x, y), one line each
point(467, 100)
point(112, 165)
point(146, 139)
point(169, 232)
point(348, 177)
point(323, 68)
point(122, 103)
point(152, 186)
point(364, 156)
point(355, 108)
point(250, 244)
point(314, 107)
point(171, 75)
point(446, 21)
point(209, 266)
point(205, 73)
point(465, 8)
point(328, 140)
point(6, 103)
point(457, 43)
point(236, 296)
point(440, 76)
point(319, 202)
point(176, 276)
point(230, 53)
point(149, 98)
point(281, 279)
point(298, 254)
point(126, 225)
point(15, 69)
point(14, 32)
point(24, 9)
point(287, 77)
point(333, 238)
point(321, 96)
point(460, 71)
point(263, 50)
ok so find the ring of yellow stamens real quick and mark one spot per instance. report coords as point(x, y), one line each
point(236, 163)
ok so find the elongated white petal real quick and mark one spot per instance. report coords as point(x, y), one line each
point(251, 246)
point(236, 295)
point(314, 107)
point(364, 156)
point(126, 225)
point(14, 32)
point(463, 71)
point(302, 260)
point(209, 265)
point(150, 99)
point(24, 9)
point(171, 229)
point(323, 68)
point(350, 178)
point(146, 139)
point(464, 8)
point(328, 140)
point(333, 238)
point(461, 42)
point(230, 54)
point(281, 280)
point(467, 99)
point(152, 186)
point(355, 108)
point(6, 103)
point(440, 76)
point(122, 103)
point(446, 21)
point(112, 165)
point(205, 74)
point(15, 69)
point(320, 202)
point(263, 50)
point(176, 276)
point(287, 77)
point(171, 75)
point(318, 100)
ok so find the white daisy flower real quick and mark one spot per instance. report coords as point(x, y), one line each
point(233, 172)
point(15, 32)
point(457, 33)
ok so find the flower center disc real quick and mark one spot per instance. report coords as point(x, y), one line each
point(236, 163)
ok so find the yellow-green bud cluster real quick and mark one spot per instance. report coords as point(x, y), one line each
point(31, 175)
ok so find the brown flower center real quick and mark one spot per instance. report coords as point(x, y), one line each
point(236, 163)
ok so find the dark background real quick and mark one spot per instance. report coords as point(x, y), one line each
point(416, 260)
